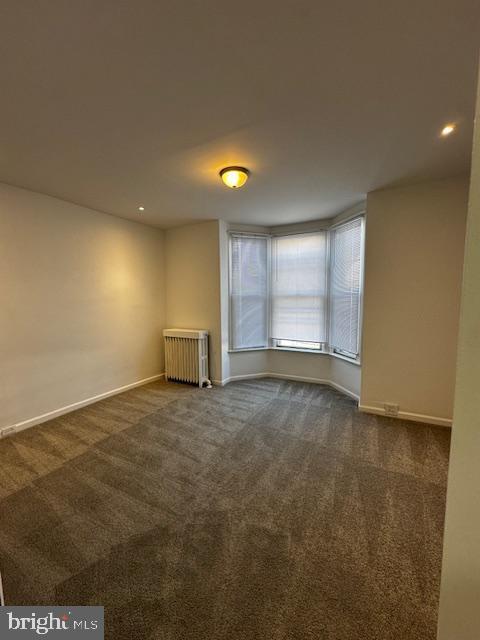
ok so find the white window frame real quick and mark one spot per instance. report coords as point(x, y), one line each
point(277, 345)
point(325, 348)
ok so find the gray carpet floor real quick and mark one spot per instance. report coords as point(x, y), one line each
point(266, 510)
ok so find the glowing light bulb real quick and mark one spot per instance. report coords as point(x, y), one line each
point(234, 177)
point(447, 130)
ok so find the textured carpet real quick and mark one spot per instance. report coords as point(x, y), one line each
point(266, 510)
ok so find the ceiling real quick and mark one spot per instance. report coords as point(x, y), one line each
point(115, 104)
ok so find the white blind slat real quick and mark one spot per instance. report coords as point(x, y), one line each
point(299, 287)
point(249, 292)
point(346, 262)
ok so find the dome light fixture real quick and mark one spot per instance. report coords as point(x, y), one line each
point(448, 129)
point(234, 177)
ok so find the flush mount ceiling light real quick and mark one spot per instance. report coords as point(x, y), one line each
point(234, 177)
point(447, 130)
point(141, 208)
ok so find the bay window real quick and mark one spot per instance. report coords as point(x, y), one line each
point(300, 291)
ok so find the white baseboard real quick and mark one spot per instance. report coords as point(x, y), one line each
point(281, 376)
point(329, 383)
point(402, 415)
point(246, 376)
point(406, 415)
point(31, 422)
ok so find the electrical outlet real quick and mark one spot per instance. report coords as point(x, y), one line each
point(391, 409)
point(7, 431)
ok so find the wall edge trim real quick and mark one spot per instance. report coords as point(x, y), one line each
point(55, 413)
point(407, 415)
point(282, 376)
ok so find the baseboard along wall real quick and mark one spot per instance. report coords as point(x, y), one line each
point(282, 376)
point(407, 415)
point(50, 415)
point(402, 415)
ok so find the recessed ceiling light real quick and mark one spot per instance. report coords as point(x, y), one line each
point(234, 177)
point(141, 208)
point(447, 130)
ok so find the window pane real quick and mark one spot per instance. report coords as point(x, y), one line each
point(299, 287)
point(297, 344)
point(249, 292)
point(345, 287)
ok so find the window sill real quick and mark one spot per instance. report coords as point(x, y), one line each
point(345, 359)
point(249, 350)
point(292, 350)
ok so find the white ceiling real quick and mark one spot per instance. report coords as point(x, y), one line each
point(113, 104)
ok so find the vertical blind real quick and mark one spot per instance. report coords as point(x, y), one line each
point(346, 263)
point(299, 287)
point(249, 291)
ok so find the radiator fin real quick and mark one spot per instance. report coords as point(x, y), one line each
point(186, 356)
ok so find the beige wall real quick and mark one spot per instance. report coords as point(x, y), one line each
point(244, 363)
point(413, 269)
point(193, 284)
point(82, 304)
point(316, 367)
point(346, 375)
point(302, 365)
point(224, 301)
point(459, 616)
